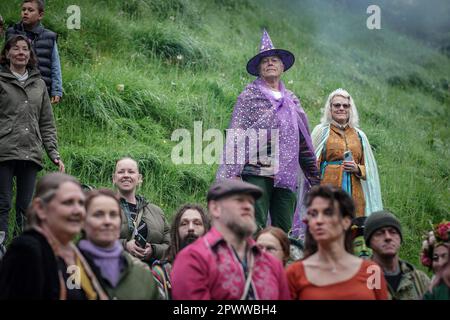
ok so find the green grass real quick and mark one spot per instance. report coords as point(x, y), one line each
point(184, 61)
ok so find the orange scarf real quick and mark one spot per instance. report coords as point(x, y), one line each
point(89, 282)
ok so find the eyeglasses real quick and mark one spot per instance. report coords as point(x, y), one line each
point(338, 105)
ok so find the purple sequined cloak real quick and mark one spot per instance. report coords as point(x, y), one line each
point(256, 108)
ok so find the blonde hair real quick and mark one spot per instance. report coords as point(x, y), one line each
point(353, 120)
point(126, 158)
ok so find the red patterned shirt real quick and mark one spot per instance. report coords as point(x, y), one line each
point(208, 269)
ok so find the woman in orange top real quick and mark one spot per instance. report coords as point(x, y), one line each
point(329, 270)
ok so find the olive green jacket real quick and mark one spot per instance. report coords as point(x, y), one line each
point(158, 230)
point(26, 118)
point(136, 280)
point(413, 284)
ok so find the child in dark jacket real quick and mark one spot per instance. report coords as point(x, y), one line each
point(44, 43)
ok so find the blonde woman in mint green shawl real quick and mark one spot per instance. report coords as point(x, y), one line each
point(337, 133)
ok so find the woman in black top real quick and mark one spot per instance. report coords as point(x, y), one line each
point(43, 263)
point(145, 232)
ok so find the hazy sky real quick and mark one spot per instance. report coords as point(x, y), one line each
point(428, 20)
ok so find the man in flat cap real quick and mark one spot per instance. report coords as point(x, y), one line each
point(226, 264)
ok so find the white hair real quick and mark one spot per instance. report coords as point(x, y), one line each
point(274, 55)
point(353, 120)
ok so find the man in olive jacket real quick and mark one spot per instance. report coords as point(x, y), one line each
point(383, 234)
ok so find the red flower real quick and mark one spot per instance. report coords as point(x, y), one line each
point(425, 260)
point(442, 230)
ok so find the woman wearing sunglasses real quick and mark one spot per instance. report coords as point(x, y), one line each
point(344, 154)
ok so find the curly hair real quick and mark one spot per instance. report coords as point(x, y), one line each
point(175, 240)
point(344, 203)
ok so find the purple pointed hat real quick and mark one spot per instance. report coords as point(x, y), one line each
point(267, 49)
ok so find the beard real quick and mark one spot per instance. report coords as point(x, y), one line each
point(242, 231)
point(190, 237)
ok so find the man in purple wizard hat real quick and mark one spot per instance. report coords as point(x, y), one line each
point(268, 142)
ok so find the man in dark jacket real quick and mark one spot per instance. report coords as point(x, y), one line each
point(383, 234)
point(44, 45)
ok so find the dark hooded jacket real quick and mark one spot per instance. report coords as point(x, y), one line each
point(26, 118)
point(158, 231)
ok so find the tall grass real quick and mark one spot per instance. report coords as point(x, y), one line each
point(184, 61)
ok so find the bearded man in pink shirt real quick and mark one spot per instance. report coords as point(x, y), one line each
point(226, 264)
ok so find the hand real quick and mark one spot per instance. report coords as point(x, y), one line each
point(60, 165)
point(135, 250)
point(351, 166)
point(148, 251)
point(55, 100)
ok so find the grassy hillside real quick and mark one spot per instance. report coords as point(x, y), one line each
point(184, 61)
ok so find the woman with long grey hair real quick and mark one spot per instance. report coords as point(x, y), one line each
point(344, 154)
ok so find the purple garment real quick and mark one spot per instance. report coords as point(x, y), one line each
point(256, 108)
point(108, 260)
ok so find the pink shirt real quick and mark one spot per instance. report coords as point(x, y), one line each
point(208, 269)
